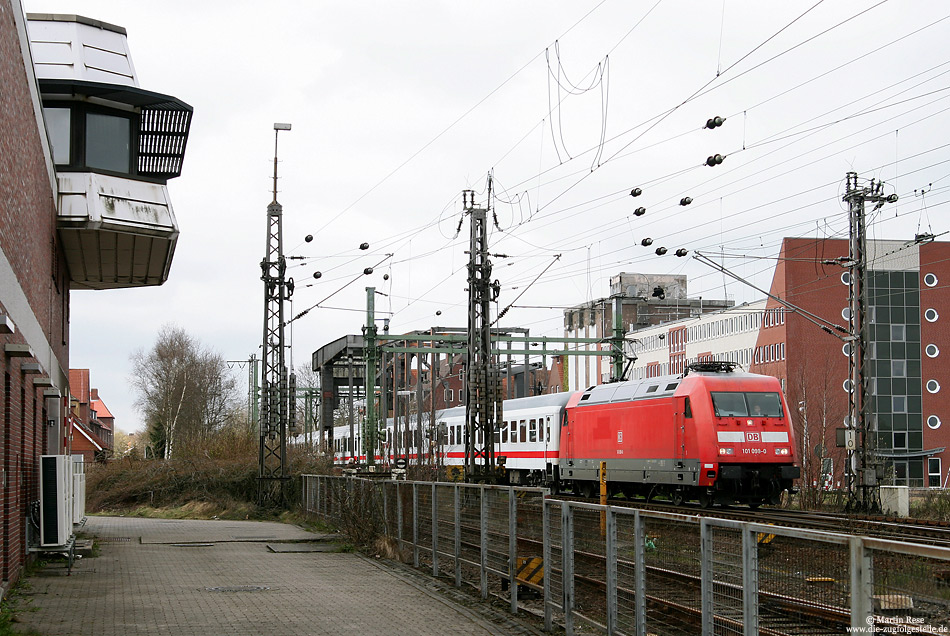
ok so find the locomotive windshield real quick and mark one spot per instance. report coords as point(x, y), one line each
point(737, 404)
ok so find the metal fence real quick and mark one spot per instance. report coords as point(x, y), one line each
point(625, 571)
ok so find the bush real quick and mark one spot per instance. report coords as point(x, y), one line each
point(197, 486)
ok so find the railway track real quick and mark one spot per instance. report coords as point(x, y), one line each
point(917, 531)
point(673, 597)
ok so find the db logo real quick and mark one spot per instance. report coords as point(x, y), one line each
point(753, 437)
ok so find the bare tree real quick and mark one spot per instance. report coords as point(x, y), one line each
point(185, 392)
point(815, 392)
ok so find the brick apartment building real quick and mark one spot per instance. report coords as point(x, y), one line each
point(83, 205)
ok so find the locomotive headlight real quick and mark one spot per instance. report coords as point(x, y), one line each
point(727, 451)
point(781, 451)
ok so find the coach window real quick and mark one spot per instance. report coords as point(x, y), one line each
point(504, 432)
point(533, 431)
point(514, 431)
point(547, 435)
point(524, 432)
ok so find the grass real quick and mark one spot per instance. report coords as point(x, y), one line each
point(16, 602)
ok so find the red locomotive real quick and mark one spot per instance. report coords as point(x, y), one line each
point(713, 434)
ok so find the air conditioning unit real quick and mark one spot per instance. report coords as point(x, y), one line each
point(79, 489)
point(55, 513)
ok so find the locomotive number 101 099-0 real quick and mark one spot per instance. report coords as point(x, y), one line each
point(753, 451)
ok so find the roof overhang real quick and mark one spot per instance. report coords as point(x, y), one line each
point(898, 454)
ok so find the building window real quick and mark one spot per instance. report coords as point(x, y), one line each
point(846, 349)
point(449, 395)
point(900, 440)
point(846, 385)
point(108, 142)
point(899, 404)
point(933, 386)
point(930, 280)
point(932, 351)
point(846, 278)
point(931, 315)
point(899, 368)
point(898, 333)
point(846, 313)
point(58, 125)
point(933, 472)
point(933, 422)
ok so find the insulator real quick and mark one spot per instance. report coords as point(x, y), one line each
point(646, 242)
point(438, 313)
point(685, 201)
point(308, 238)
point(385, 276)
point(364, 246)
point(660, 251)
point(636, 192)
point(713, 160)
point(640, 211)
point(715, 122)
point(892, 198)
point(681, 252)
point(368, 271)
point(317, 274)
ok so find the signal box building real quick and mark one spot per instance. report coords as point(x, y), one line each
point(909, 333)
point(84, 157)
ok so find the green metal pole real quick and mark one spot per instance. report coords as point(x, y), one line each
point(617, 341)
point(369, 353)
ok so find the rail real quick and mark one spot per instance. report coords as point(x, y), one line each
point(629, 571)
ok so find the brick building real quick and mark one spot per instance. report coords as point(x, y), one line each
point(909, 320)
point(90, 426)
point(84, 157)
point(34, 294)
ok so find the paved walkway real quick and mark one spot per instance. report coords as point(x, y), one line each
point(237, 578)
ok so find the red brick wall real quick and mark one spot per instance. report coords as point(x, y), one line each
point(28, 241)
point(28, 212)
point(935, 259)
point(815, 366)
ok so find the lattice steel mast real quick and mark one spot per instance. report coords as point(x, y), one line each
point(482, 390)
point(275, 394)
point(864, 467)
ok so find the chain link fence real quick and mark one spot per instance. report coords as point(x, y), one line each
point(619, 570)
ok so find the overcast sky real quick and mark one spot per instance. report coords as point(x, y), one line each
point(399, 106)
